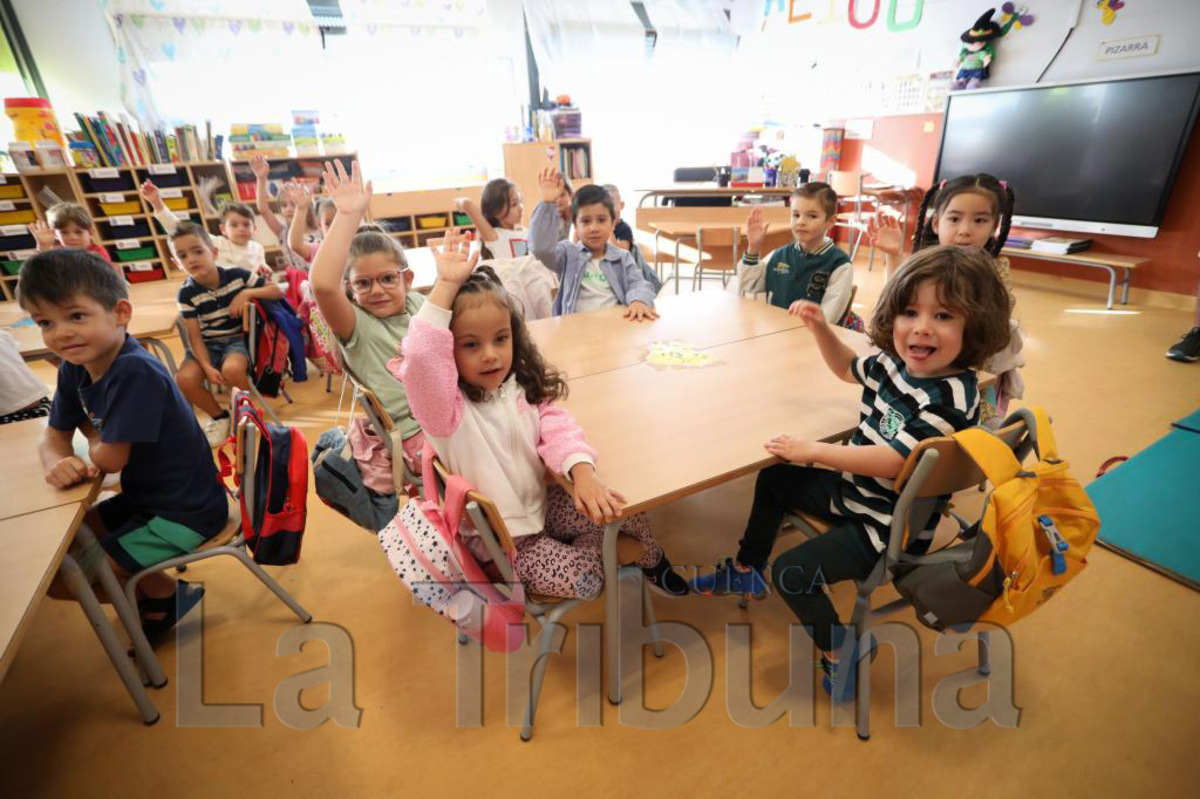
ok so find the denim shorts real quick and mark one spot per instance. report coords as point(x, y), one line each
point(220, 348)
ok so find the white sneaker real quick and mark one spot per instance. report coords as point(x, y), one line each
point(216, 431)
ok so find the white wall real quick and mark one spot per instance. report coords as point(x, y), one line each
point(811, 68)
point(74, 53)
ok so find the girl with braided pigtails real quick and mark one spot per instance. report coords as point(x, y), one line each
point(973, 212)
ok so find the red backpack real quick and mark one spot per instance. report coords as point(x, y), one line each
point(273, 518)
point(271, 351)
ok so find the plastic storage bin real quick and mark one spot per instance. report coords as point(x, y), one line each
point(12, 191)
point(430, 221)
point(136, 276)
point(20, 217)
point(176, 203)
point(16, 237)
point(119, 209)
point(168, 180)
point(11, 267)
point(111, 230)
point(143, 253)
point(122, 182)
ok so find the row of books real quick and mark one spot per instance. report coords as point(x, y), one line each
point(119, 143)
point(1055, 245)
point(575, 161)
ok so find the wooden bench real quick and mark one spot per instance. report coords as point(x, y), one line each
point(1100, 260)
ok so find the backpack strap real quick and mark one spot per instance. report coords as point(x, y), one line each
point(990, 454)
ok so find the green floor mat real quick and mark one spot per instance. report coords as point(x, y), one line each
point(1149, 507)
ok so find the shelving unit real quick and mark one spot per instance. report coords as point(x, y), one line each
point(524, 161)
point(415, 217)
point(16, 244)
point(125, 225)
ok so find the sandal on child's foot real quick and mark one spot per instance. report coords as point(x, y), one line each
point(160, 614)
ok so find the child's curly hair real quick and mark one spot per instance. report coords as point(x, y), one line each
point(540, 381)
point(967, 283)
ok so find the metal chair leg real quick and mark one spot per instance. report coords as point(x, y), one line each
point(651, 618)
point(269, 582)
point(546, 639)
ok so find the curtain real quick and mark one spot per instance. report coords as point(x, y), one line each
point(392, 83)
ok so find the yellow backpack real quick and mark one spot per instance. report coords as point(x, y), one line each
point(1037, 528)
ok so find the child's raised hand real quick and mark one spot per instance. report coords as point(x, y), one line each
point(592, 498)
point(883, 230)
point(756, 231)
point(150, 194)
point(43, 234)
point(550, 183)
point(791, 449)
point(809, 312)
point(69, 471)
point(348, 193)
point(455, 261)
point(259, 166)
point(638, 311)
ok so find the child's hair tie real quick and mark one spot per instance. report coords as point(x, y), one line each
point(941, 185)
point(1004, 185)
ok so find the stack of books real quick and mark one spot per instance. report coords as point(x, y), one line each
point(1059, 245)
point(104, 141)
point(252, 138)
point(1018, 242)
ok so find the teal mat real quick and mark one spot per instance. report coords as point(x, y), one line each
point(1149, 507)
point(1190, 422)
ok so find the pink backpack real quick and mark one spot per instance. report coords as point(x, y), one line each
point(425, 547)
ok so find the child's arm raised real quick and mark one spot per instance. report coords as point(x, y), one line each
point(837, 355)
point(752, 269)
point(350, 198)
point(258, 164)
point(883, 231)
point(162, 213)
point(468, 207)
point(543, 227)
point(302, 199)
point(427, 367)
point(44, 235)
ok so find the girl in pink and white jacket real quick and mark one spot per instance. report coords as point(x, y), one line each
point(484, 397)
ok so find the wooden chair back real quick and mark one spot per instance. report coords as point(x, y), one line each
point(955, 470)
point(720, 247)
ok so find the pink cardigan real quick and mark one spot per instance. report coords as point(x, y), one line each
point(502, 445)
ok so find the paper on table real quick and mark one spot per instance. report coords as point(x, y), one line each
point(677, 353)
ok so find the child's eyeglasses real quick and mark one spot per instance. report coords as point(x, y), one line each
point(388, 280)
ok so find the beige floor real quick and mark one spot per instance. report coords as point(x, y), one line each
point(1103, 676)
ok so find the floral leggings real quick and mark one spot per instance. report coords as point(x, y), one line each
point(564, 560)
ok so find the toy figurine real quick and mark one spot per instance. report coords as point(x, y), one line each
point(975, 58)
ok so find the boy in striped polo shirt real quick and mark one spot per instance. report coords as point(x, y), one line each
point(944, 314)
point(211, 302)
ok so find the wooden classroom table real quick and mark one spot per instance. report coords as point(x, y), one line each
point(712, 190)
point(1100, 260)
point(588, 343)
point(154, 312)
point(37, 525)
point(721, 414)
point(678, 231)
point(22, 486)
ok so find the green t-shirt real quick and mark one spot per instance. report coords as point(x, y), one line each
point(373, 343)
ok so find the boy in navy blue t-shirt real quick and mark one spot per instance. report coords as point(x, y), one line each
point(136, 422)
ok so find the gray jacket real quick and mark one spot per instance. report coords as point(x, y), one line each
point(568, 260)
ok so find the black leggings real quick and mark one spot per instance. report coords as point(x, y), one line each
point(800, 573)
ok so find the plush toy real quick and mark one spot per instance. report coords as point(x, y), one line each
point(1109, 9)
point(975, 58)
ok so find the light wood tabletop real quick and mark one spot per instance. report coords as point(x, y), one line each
point(23, 488)
point(663, 433)
point(599, 341)
point(675, 229)
point(31, 548)
point(154, 311)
